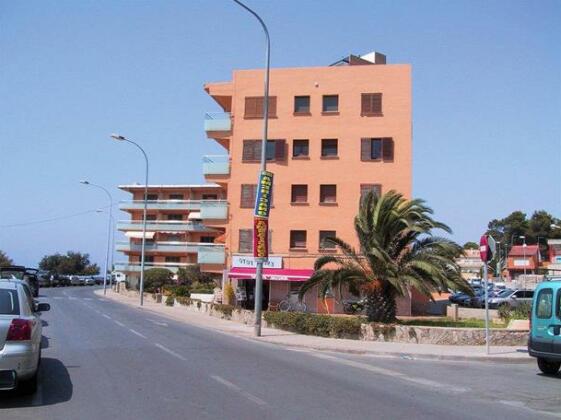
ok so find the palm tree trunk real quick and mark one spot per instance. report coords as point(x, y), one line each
point(380, 305)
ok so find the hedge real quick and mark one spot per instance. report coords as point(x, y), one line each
point(312, 324)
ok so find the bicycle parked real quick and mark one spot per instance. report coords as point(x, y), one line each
point(289, 305)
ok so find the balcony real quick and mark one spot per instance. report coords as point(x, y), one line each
point(211, 254)
point(135, 267)
point(163, 226)
point(161, 205)
point(218, 122)
point(216, 165)
point(163, 247)
point(214, 209)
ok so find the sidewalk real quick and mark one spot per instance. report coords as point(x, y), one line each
point(503, 354)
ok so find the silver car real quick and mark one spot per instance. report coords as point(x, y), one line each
point(20, 337)
point(511, 298)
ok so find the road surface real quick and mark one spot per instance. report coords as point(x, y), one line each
point(105, 360)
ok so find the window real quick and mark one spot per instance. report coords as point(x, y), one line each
point(544, 308)
point(366, 188)
point(173, 259)
point(176, 196)
point(151, 197)
point(371, 104)
point(276, 150)
point(209, 197)
point(300, 148)
point(175, 217)
point(377, 149)
point(301, 104)
point(245, 240)
point(330, 103)
point(297, 239)
point(254, 107)
point(323, 236)
point(328, 193)
point(559, 304)
point(9, 302)
point(329, 148)
point(150, 217)
point(247, 200)
point(299, 194)
point(147, 258)
point(207, 239)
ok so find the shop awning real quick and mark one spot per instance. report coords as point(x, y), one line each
point(274, 274)
point(138, 235)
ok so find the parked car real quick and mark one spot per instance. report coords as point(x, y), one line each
point(99, 280)
point(64, 280)
point(544, 342)
point(512, 298)
point(20, 336)
point(89, 281)
point(18, 272)
point(44, 279)
point(77, 281)
point(478, 301)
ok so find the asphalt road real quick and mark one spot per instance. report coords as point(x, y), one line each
point(104, 360)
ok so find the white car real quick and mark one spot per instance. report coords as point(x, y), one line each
point(20, 337)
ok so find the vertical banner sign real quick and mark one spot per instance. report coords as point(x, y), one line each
point(263, 196)
point(260, 238)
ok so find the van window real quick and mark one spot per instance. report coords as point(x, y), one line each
point(559, 304)
point(529, 294)
point(544, 304)
point(9, 304)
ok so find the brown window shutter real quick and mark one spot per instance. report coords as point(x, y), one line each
point(272, 106)
point(245, 240)
point(365, 149)
point(247, 198)
point(366, 188)
point(387, 149)
point(376, 103)
point(371, 104)
point(251, 107)
point(247, 154)
point(366, 103)
point(280, 149)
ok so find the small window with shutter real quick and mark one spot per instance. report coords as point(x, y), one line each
point(330, 104)
point(324, 235)
point(302, 105)
point(329, 148)
point(367, 188)
point(328, 194)
point(299, 194)
point(300, 148)
point(371, 105)
point(276, 150)
point(254, 107)
point(251, 151)
point(247, 200)
point(298, 239)
point(376, 149)
point(245, 240)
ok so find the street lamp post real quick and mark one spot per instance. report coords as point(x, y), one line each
point(118, 137)
point(524, 256)
point(259, 263)
point(108, 231)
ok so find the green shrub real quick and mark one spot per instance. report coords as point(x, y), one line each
point(181, 291)
point(520, 312)
point(313, 324)
point(155, 278)
point(183, 300)
point(225, 309)
point(170, 300)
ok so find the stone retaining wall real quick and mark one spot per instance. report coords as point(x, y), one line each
point(441, 335)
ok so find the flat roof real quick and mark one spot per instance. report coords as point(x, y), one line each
point(170, 186)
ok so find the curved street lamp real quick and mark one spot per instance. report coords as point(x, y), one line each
point(118, 137)
point(85, 182)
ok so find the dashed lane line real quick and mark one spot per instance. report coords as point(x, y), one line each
point(238, 390)
point(137, 333)
point(170, 351)
point(106, 316)
point(120, 324)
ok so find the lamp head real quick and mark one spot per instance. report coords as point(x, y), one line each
point(83, 181)
point(118, 137)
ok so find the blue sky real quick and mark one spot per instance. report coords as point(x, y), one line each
point(486, 100)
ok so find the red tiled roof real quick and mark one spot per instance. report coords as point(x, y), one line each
point(518, 251)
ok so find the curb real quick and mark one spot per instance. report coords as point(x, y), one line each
point(388, 354)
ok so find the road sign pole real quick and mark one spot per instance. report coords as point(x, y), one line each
point(487, 337)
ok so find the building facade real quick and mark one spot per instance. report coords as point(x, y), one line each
point(554, 257)
point(470, 264)
point(181, 228)
point(335, 133)
point(522, 259)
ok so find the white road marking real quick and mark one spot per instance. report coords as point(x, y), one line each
point(137, 333)
point(120, 324)
point(163, 324)
point(237, 389)
point(170, 352)
point(88, 298)
point(394, 374)
point(107, 316)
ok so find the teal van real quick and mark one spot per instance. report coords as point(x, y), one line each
point(544, 342)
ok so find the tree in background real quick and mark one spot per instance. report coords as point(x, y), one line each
point(4, 259)
point(193, 274)
point(155, 278)
point(71, 263)
point(470, 245)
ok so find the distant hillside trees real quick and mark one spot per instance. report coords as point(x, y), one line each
point(71, 263)
point(4, 259)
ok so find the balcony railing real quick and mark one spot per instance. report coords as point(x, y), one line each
point(218, 121)
point(214, 209)
point(216, 165)
point(160, 246)
point(163, 226)
point(161, 205)
point(211, 254)
point(135, 267)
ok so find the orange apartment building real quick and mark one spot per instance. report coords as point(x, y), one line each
point(179, 230)
point(335, 132)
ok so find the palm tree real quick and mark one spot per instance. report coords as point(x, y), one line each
point(397, 252)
